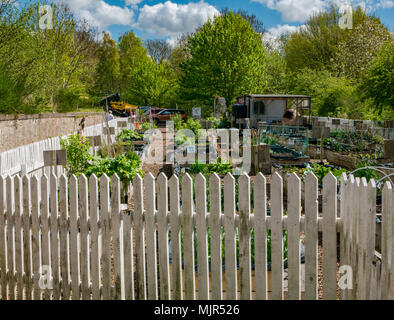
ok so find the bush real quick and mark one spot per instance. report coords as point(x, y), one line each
point(78, 153)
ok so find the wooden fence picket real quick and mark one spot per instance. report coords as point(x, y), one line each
point(216, 236)
point(244, 238)
point(151, 247)
point(44, 220)
point(83, 209)
point(343, 217)
point(74, 254)
point(329, 237)
point(311, 239)
point(27, 233)
point(387, 239)
point(277, 236)
point(371, 232)
point(164, 268)
point(105, 232)
point(128, 252)
point(293, 233)
point(18, 237)
point(94, 237)
point(202, 238)
point(230, 240)
point(177, 287)
point(188, 237)
point(139, 231)
point(115, 237)
point(260, 234)
point(3, 252)
point(64, 236)
point(54, 231)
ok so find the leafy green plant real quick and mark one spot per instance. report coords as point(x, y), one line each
point(148, 126)
point(129, 135)
point(218, 167)
point(78, 153)
point(126, 166)
point(366, 173)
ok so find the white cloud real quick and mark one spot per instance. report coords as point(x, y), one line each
point(386, 4)
point(272, 35)
point(294, 10)
point(133, 3)
point(281, 29)
point(100, 14)
point(171, 19)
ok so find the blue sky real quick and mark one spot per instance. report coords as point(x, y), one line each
point(168, 19)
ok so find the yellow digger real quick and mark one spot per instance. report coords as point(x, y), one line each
point(119, 108)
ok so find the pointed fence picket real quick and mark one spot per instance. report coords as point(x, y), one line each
point(60, 238)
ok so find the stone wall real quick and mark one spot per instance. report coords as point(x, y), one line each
point(19, 130)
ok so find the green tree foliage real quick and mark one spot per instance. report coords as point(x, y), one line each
point(108, 68)
point(315, 45)
point(227, 58)
point(331, 96)
point(378, 80)
point(132, 55)
point(153, 84)
point(359, 46)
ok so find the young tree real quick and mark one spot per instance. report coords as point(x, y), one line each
point(227, 59)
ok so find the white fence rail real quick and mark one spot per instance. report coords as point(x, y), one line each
point(29, 158)
point(180, 242)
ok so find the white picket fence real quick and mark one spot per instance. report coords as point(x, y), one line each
point(96, 250)
point(29, 159)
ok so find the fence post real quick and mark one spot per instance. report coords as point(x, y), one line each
point(36, 243)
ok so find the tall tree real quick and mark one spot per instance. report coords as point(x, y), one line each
point(158, 50)
point(108, 68)
point(315, 45)
point(154, 84)
point(132, 54)
point(378, 81)
point(251, 18)
point(227, 59)
point(359, 46)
